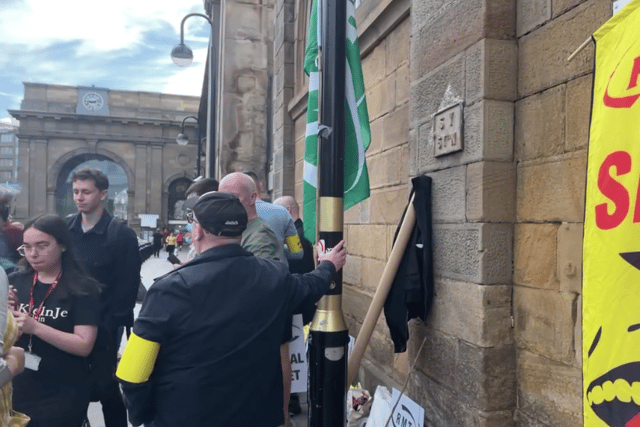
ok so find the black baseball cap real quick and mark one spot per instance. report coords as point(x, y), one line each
point(219, 213)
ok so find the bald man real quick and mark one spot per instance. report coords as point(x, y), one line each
point(258, 238)
point(261, 241)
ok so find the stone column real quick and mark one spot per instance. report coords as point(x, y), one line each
point(155, 179)
point(283, 84)
point(24, 167)
point(246, 50)
point(140, 184)
point(38, 177)
point(465, 53)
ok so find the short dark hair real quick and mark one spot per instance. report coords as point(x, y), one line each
point(94, 174)
point(202, 186)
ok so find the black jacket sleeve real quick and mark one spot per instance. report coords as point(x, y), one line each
point(127, 280)
point(310, 287)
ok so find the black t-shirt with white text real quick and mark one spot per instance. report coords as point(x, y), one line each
point(62, 311)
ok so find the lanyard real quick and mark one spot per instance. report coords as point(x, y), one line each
point(36, 314)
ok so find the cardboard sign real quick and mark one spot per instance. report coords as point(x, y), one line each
point(407, 412)
point(298, 356)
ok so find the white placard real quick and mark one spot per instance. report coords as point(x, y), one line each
point(618, 5)
point(407, 413)
point(147, 220)
point(298, 356)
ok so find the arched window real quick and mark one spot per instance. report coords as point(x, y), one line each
point(117, 197)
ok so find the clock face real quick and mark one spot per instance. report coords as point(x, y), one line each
point(92, 101)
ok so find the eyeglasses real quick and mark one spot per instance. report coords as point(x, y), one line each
point(40, 247)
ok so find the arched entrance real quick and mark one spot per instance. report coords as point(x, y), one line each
point(117, 198)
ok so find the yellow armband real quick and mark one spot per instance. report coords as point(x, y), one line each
point(138, 360)
point(293, 243)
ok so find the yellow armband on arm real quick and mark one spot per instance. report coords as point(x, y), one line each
point(138, 360)
point(293, 243)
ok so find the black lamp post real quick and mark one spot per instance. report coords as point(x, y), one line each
point(183, 139)
point(182, 55)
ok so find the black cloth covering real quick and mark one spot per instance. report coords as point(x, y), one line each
point(411, 293)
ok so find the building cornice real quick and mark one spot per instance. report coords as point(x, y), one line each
point(23, 114)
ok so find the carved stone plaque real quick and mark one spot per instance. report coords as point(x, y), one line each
point(447, 130)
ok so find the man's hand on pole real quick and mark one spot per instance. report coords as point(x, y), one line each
point(337, 255)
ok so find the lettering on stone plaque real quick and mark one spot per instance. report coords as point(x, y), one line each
point(447, 130)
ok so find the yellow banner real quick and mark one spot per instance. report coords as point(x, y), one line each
point(611, 252)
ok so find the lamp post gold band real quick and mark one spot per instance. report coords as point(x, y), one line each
point(329, 316)
point(331, 214)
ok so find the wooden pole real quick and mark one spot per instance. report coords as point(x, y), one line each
point(389, 273)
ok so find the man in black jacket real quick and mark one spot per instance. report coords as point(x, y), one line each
point(205, 347)
point(108, 249)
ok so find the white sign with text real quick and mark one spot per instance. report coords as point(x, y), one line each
point(298, 354)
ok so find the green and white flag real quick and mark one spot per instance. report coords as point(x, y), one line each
point(357, 131)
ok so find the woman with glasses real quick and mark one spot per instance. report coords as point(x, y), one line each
point(57, 309)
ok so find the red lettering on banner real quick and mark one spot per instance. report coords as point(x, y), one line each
point(624, 101)
point(635, 73)
point(613, 190)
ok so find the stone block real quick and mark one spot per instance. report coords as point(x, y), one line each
point(386, 205)
point(358, 214)
point(578, 113)
point(388, 167)
point(569, 262)
point(431, 92)
point(438, 356)
point(352, 270)
point(62, 94)
point(492, 71)
point(540, 124)
point(381, 98)
point(402, 84)
point(435, 43)
point(561, 6)
point(549, 393)
point(535, 255)
point(425, 11)
point(479, 253)
point(542, 61)
point(397, 45)
point(372, 271)
point(491, 192)
point(531, 15)
point(448, 194)
point(377, 135)
point(373, 66)
point(396, 127)
point(552, 190)
point(244, 22)
point(440, 403)
point(477, 314)
point(486, 377)
point(487, 135)
point(32, 91)
point(545, 322)
point(368, 241)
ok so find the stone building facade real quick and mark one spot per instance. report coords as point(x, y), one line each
point(503, 341)
point(62, 127)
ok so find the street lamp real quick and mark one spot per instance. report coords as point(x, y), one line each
point(183, 139)
point(183, 56)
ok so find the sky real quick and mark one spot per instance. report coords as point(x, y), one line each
point(119, 44)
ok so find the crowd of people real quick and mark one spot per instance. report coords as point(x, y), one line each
point(210, 345)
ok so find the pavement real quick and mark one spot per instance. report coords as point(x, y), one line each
point(152, 268)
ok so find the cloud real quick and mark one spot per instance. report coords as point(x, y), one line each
point(121, 44)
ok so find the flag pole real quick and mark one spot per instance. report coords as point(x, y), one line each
point(329, 337)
